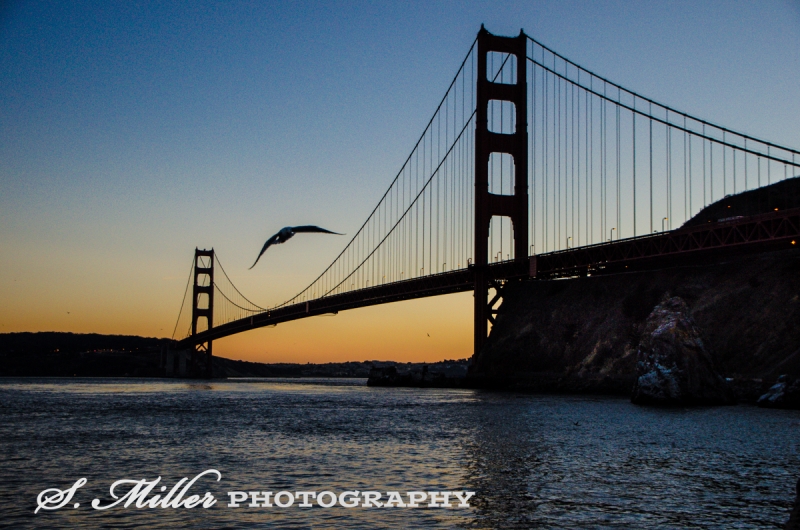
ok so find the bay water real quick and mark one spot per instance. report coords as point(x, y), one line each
point(533, 461)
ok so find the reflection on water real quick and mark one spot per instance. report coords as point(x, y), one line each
point(534, 461)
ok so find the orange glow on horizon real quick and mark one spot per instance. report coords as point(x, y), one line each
point(426, 330)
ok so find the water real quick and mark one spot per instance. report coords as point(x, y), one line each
point(533, 461)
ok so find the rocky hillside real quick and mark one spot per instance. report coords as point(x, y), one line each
point(782, 195)
point(582, 334)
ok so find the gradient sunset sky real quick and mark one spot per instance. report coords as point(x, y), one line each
point(131, 133)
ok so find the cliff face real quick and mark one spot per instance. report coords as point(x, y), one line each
point(582, 334)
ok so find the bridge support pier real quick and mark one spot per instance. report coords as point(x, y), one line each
point(487, 142)
point(202, 308)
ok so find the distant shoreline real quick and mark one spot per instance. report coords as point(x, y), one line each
point(64, 354)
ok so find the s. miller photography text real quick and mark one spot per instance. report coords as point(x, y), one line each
point(127, 493)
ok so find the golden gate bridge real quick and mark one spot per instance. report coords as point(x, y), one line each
point(530, 167)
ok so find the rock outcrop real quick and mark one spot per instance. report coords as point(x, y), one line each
point(785, 394)
point(674, 366)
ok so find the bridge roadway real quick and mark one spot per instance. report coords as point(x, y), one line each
point(772, 231)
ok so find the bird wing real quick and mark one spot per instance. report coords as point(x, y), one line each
point(269, 242)
point(312, 228)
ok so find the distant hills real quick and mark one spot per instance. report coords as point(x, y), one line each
point(55, 354)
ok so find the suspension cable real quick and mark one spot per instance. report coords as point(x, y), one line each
point(183, 301)
point(234, 286)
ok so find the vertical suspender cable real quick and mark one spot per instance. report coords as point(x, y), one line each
point(651, 168)
point(711, 171)
point(572, 136)
point(578, 131)
point(670, 185)
point(546, 156)
point(685, 191)
point(586, 192)
point(591, 160)
point(705, 201)
point(745, 163)
point(769, 168)
point(724, 167)
point(532, 177)
point(558, 161)
point(619, 175)
point(633, 118)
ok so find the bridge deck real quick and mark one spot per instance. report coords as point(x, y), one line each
point(774, 230)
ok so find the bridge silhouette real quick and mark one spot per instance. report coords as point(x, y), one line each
point(531, 167)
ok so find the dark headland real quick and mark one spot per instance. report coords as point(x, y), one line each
point(738, 318)
point(583, 334)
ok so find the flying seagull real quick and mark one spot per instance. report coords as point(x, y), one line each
point(286, 234)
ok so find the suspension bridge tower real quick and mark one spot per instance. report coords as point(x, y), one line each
point(202, 308)
point(515, 144)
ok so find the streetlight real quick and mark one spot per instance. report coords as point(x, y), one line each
point(611, 236)
point(568, 240)
point(662, 223)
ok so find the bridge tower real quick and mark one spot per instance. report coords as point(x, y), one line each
point(203, 285)
point(487, 205)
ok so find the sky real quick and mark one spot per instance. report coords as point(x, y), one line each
point(133, 132)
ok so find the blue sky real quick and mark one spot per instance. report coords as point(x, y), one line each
point(132, 132)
